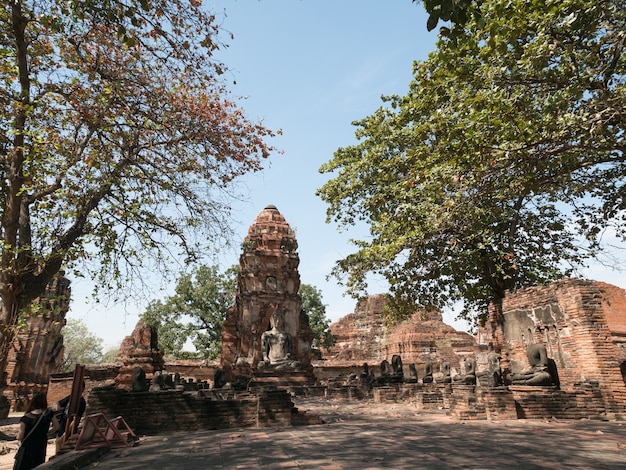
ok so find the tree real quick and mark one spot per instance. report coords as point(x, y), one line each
point(110, 355)
point(458, 12)
point(119, 141)
point(81, 346)
point(313, 305)
point(503, 165)
point(195, 313)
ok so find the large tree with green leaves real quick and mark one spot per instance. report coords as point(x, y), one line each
point(313, 305)
point(501, 167)
point(457, 12)
point(195, 312)
point(119, 141)
point(80, 346)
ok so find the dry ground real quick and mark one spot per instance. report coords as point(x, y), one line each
point(329, 412)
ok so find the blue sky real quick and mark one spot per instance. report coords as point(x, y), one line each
point(309, 68)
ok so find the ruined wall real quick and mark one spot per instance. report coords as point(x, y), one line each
point(363, 337)
point(38, 348)
point(173, 410)
point(572, 319)
point(139, 349)
point(96, 375)
point(360, 336)
point(102, 375)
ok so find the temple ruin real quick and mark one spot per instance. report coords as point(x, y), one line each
point(37, 349)
point(582, 326)
point(266, 336)
point(553, 351)
point(422, 339)
point(577, 326)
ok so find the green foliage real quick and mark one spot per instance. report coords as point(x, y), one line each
point(81, 346)
point(110, 355)
point(458, 12)
point(502, 166)
point(119, 142)
point(195, 313)
point(314, 307)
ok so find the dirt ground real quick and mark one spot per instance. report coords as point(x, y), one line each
point(367, 435)
point(328, 411)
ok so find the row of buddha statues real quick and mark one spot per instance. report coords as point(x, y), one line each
point(539, 372)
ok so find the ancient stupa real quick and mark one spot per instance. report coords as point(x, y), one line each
point(266, 336)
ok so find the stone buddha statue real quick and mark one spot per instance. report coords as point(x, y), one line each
point(469, 377)
point(491, 377)
point(276, 346)
point(446, 378)
point(538, 374)
point(428, 375)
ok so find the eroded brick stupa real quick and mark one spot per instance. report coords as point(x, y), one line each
point(266, 336)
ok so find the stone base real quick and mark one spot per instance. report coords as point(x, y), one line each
point(537, 402)
point(168, 411)
point(385, 394)
point(282, 379)
point(426, 396)
point(499, 403)
point(470, 403)
point(465, 403)
point(345, 392)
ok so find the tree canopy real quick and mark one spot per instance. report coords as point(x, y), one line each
point(119, 141)
point(80, 346)
point(313, 305)
point(195, 312)
point(503, 165)
point(458, 12)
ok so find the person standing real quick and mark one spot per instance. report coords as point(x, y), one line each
point(33, 434)
point(62, 409)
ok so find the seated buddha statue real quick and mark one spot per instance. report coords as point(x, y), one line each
point(276, 346)
point(538, 373)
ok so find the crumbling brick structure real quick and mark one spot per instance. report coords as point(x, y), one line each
point(582, 325)
point(139, 350)
point(37, 349)
point(363, 337)
point(268, 282)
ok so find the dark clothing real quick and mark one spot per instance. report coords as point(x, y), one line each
point(64, 403)
point(34, 445)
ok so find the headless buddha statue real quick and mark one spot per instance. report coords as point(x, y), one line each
point(538, 373)
point(493, 376)
point(469, 377)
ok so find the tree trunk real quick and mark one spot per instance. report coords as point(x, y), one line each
point(495, 323)
point(9, 316)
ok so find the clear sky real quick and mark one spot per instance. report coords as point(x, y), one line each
point(310, 68)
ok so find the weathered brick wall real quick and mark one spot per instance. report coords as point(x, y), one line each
point(37, 349)
point(173, 410)
point(465, 404)
point(499, 403)
point(569, 318)
point(198, 369)
point(585, 402)
point(426, 397)
point(423, 338)
point(60, 385)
